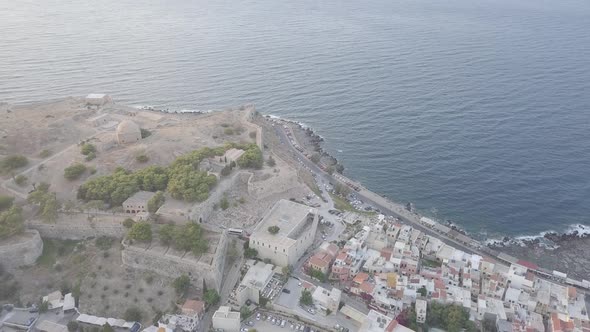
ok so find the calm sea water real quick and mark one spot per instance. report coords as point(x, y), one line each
point(476, 111)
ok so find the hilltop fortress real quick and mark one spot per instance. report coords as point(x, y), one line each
point(53, 135)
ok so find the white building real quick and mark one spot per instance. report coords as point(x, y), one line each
point(254, 282)
point(97, 99)
point(297, 225)
point(227, 320)
point(421, 310)
point(327, 300)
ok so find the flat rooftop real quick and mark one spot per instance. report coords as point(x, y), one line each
point(258, 275)
point(287, 216)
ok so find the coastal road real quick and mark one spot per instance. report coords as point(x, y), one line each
point(375, 200)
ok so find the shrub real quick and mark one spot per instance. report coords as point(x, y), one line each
point(250, 253)
point(145, 133)
point(74, 171)
point(271, 162)
point(20, 179)
point(211, 297)
point(228, 131)
point(90, 156)
point(104, 242)
point(181, 284)
point(306, 298)
point(87, 148)
point(224, 204)
point(128, 223)
point(252, 157)
point(315, 158)
point(6, 202)
point(11, 222)
point(141, 231)
point(142, 158)
point(133, 314)
point(274, 229)
point(13, 162)
point(45, 153)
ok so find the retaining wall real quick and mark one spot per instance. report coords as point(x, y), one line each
point(78, 226)
point(21, 250)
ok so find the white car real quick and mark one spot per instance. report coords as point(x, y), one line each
point(258, 316)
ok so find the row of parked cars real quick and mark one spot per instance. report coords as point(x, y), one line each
point(279, 322)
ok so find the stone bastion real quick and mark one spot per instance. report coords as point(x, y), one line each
point(167, 261)
point(21, 250)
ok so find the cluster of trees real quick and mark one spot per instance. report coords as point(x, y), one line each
point(187, 237)
point(181, 284)
point(449, 317)
point(89, 150)
point(140, 231)
point(47, 201)
point(182, 179)
point(156, 202)
point(74, 171)
point(252, 158)
point(11, 217)
point(211, 297)
point(13, 162)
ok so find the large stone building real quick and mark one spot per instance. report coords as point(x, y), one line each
point(128, 132)
point(297, 225)
point(226, 320)
point(138, 202)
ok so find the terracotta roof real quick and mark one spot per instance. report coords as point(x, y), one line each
point(193, 306)
point(571, 292)
point(360, 278)
point(318, 262)
point(367, 287)
point(527, 264)
point(342, 255)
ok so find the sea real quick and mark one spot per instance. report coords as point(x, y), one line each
point(477, 111)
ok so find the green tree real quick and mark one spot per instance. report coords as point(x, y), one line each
point(13, 162)
point(145, 133)
point(156, 202)
point(45, 153)
point(74, 171)
point(166, 234)
point(330, 169)
point(306, 298)
point(317, 274)
point(181, 284)
point(226, 170)
point(20, 179)
point(133, 314)
point(87, 148)
point(43, 306)
point(224, 203)
point(211, 297)
point(250, 253)
point(245, 312)
point(287, 270)
point(11, 222)
point(142, 158)
point(342, 189)
point(141, 231)
point(72, 326)
point(274, 229)
point(128, 223)
point(422, 291)
point(6, 202)
point(50, 208)
point(252, 158)
point(90, 156)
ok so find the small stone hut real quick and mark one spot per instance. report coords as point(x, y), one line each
point(128, 132)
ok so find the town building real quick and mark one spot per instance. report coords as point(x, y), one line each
point(138, 202)
point(128, 132)
point(297, 224)
point(193, 308)
point(254, 282)
point(421, 311)
point(227, 320)
point(327, 299)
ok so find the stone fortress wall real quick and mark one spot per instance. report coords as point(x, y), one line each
point(21, 250)
point(169, 263)
point(78, 226)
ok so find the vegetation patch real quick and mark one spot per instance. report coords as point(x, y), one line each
point(74, 171)
point(189, 237)
point(10, 163)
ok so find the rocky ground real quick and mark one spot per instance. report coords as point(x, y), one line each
point(572, 256)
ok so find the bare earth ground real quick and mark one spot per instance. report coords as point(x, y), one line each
point(107, 287)
point(572, 256)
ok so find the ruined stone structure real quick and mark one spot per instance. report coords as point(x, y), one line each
point(21, 250)
point(169, 262)
point(128, 132)
point(77, 226)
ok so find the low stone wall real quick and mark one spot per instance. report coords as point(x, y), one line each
point(21, 250)
point(174, 266)
point(78, 226)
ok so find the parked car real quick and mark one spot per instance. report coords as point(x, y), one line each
point(285, 290)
